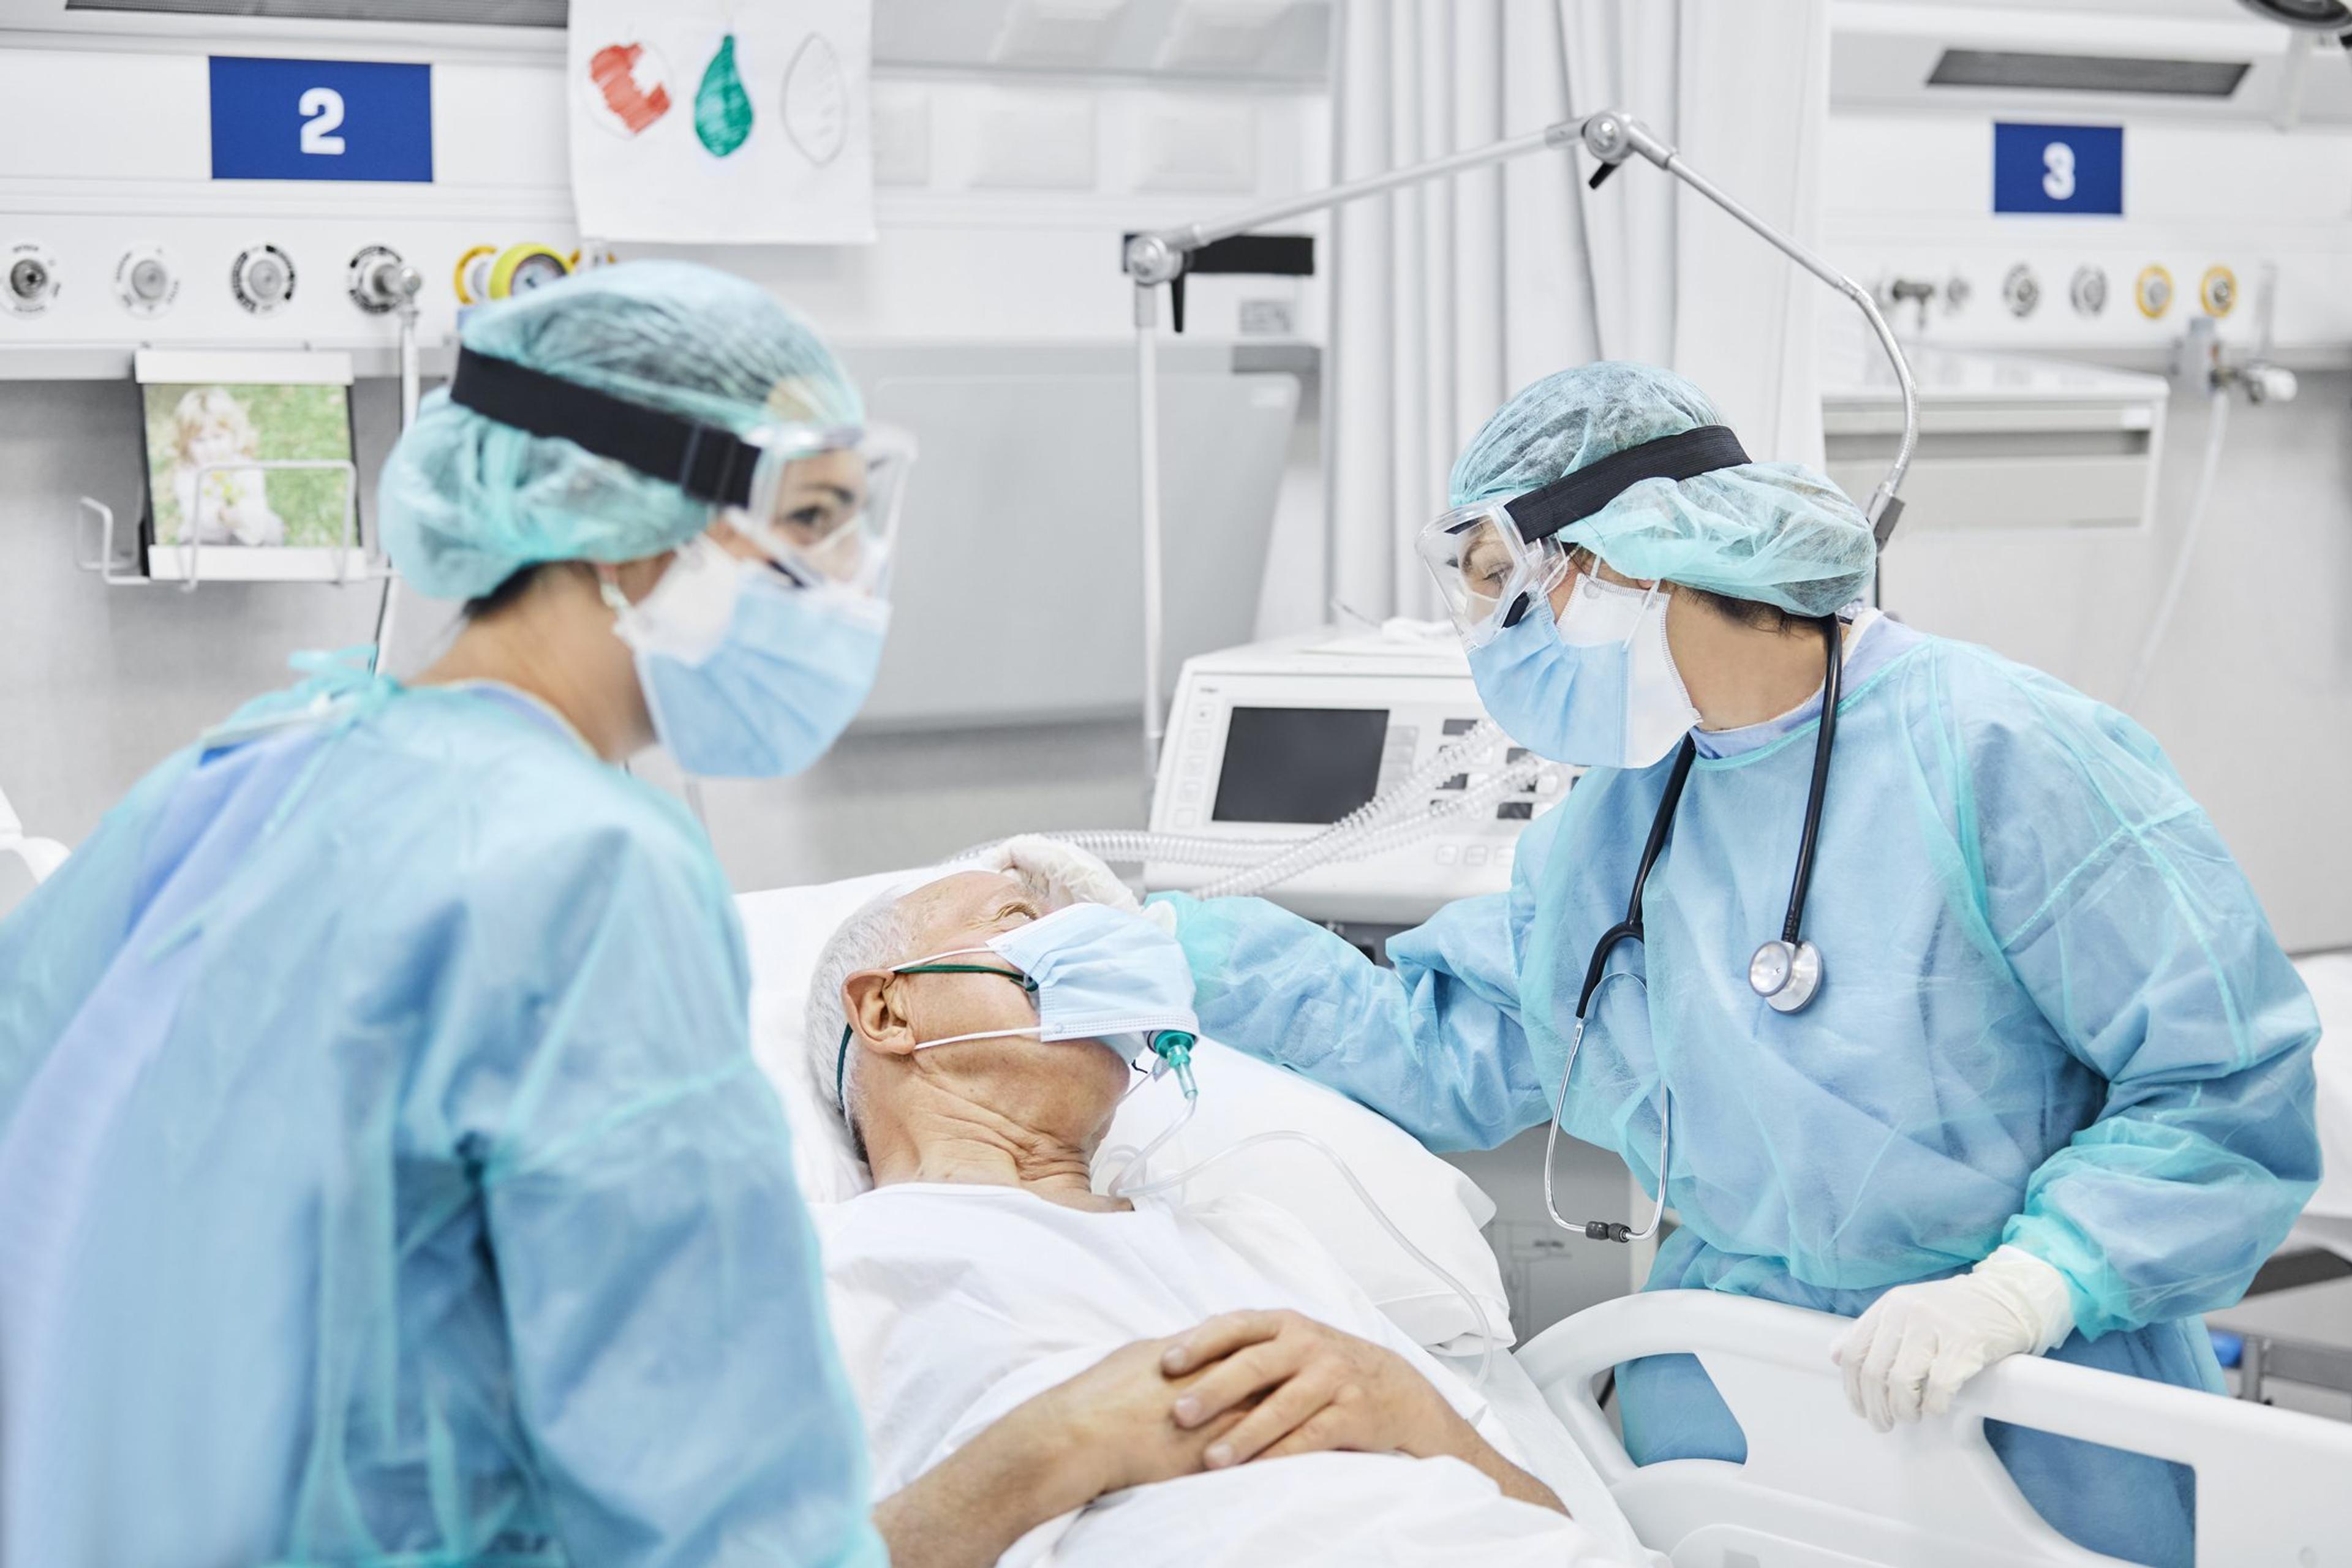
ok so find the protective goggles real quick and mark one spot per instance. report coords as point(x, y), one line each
point(822, 504)
point(1492, 558)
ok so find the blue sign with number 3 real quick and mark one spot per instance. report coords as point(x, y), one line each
point(321, 120)
point(2058, 169)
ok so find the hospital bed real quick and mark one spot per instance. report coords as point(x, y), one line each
point(1820, 1488)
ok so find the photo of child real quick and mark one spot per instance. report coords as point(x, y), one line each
point(190, 428)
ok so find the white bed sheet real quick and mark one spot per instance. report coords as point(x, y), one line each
point(952, 1305)
point(1547, 1452)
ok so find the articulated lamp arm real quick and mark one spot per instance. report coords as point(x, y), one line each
point(1158, 257)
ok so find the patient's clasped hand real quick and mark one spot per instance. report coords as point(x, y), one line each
point(1157, 1360)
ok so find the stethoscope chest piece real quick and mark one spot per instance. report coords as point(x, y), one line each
point(1786, 974)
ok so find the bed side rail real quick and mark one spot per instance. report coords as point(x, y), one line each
point(1821, 1488)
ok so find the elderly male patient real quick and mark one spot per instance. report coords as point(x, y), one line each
point(1185, 1385)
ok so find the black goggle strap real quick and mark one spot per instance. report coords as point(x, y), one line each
point(841, 1057)
point(706, 462)
point(1544, 511)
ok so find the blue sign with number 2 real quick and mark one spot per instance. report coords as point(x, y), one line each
point(320, 120)
point(2058, 169)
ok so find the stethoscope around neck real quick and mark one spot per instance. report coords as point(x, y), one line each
point(1785, 973)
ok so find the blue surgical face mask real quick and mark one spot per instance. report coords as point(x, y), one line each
point(1597, 688)
point(1098, 974)
point(746, 675)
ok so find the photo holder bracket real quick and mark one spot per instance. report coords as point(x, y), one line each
point(115, 573)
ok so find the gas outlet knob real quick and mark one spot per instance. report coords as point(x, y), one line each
point(2218, 291)
point(2021, 290)
point(32, 277)
point(381, 281)
point(2152, 291)
point(2089, 289)
point(145, 281)
point(262, 279)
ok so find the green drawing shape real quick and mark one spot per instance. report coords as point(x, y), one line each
point(722, 109)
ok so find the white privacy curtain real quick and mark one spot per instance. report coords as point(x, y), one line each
point(1449, 297)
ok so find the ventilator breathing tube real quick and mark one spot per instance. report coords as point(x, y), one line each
point(1122, 1187)
point(1396, 816)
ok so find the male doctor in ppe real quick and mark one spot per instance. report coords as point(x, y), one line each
point(384, 1177)
point(2046, 1087)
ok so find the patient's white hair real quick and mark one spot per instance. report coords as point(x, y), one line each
point(874, 937)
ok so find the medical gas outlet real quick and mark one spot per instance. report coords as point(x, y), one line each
point(2021, 290)
point(2152, 291)
point(2217, 291)
point(381, 282)
point(30, 273)
point(486, 272)
point(262, 279)
point(2089, 289)
point(145, 282)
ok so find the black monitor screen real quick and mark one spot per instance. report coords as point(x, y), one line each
point(1299, 765)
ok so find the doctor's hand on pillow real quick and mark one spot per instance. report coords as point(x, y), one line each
point(1920, 1345)
point(1060, 873)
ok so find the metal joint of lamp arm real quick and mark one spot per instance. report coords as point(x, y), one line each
point(1611, 136)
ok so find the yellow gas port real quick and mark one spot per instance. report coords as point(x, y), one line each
point(2152, 291)
point(2218, 290)
point(521, 268)
point(472, 279)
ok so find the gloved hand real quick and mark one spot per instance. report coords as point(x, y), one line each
point(1920, 1343)
point(1064, 874)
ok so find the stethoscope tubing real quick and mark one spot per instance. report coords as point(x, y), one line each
point(1630, 929)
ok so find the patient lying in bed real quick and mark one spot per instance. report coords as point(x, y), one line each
point(1231, 1396)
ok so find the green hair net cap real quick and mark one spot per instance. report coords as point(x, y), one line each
point(1778, 533)
point(464, 502)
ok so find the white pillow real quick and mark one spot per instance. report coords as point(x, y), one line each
point(1431, 1202)
point(1435, 1204)
point(784, 930)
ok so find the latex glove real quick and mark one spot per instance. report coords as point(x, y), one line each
point(1920, 1345)
point(1064, 874)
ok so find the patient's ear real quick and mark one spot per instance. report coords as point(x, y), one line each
point(868, 1001)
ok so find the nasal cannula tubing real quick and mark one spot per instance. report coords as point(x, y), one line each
point(1120, 1188)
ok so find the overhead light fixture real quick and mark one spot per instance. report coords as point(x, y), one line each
point(2017, 70)
point(2305, 16)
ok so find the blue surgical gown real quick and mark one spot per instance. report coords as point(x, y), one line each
point(2053, 1016)
point(385, 1178)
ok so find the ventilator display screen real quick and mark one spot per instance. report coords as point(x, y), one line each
point(1299, 765)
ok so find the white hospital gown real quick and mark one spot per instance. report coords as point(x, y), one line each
point(954, 1303)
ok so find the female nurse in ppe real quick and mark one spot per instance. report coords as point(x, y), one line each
point(2051, 1093)
point(385, 1176)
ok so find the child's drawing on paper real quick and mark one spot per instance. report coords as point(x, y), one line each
point(627, 88)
